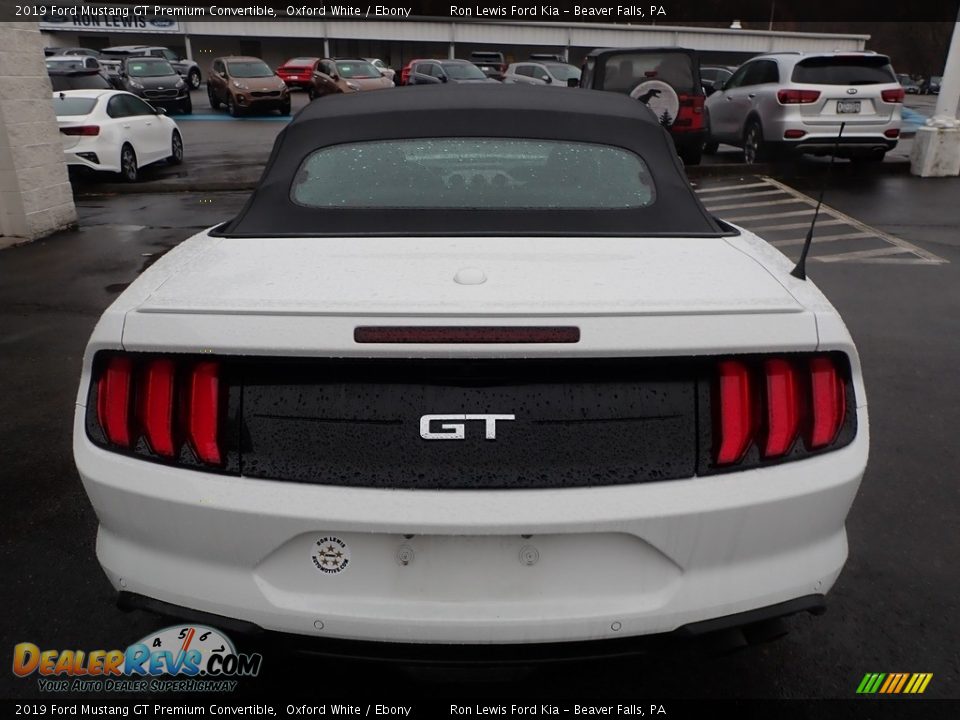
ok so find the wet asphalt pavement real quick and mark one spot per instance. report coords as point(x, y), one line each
point(896, 606)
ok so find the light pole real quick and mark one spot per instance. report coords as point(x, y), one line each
point(936, 149)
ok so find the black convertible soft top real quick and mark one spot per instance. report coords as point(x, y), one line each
point(479, 111)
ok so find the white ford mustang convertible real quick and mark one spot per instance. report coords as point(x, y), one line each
point(472, 367)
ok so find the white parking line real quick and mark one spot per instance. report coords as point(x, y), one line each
point(762, 203)
point(796, 226)
point(768, 216)
point(721, 188)
point(822, 238)
point(863, 227)
point(860, 254)
point(737, 196)
point(897, 250)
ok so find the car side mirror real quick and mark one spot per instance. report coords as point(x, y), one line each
point(573, 82)
point(159, 111)
point(547, 79)
point(443, 78)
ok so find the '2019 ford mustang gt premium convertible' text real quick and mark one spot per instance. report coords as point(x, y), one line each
point(472, 366)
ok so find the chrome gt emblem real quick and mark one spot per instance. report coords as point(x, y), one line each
point(851, 91)
point(457, 430)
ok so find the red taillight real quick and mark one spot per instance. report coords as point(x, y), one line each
point(892, 96)
point(204, 410)
point(783, 407)
point(794, 134)
point(85, 130)
point(892, 133)
point(690, 114)
point(734, 412)
point(156, 405)
point(797, 97)
point(773, 401)
point(828, 402)
point(113, 400)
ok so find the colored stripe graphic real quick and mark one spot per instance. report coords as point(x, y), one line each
point(894, 683)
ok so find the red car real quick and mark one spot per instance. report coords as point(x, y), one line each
point(405, 72)
point(297, 72)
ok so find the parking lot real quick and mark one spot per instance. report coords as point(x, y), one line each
point(886, 254)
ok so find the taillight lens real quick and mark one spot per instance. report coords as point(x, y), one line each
point(203, 413)
point(690, 113)
point(113, 400)
point(762, 407)
point(734, 405)
point(828, 402)
point(892, 96)
point(85, 130)
point(155, 405)
point(797, 97)
point(782, 407)
point(794, 134)
point(892, 133)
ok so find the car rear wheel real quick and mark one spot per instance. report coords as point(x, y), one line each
point(710, 147)
point(129, 170)
point(176, 149)
point(232, 107)
point(214, 103)
point(193, 77)
point(755, 148)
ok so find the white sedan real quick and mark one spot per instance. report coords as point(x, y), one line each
point(473, 366)
point(115, 131)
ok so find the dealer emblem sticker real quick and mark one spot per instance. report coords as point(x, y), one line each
point(330, 555)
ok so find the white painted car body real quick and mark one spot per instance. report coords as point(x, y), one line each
point(614, 561)
point(150, 133)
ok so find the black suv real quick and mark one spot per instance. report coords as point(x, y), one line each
point(155, 80)
point(667, 80)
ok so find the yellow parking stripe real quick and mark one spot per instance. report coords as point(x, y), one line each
point(926, 681)
point(913, 681)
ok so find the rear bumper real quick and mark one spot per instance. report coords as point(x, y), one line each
point(476, 567)
point(726, 633)
point(846, 147)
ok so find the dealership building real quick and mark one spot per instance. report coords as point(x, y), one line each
point(398, 41)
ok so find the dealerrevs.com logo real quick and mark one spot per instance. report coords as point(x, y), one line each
point(191, 658)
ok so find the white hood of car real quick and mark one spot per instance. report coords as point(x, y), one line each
point(231, 286)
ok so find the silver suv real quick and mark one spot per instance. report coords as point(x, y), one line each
point(555, 74)
point(780, 103)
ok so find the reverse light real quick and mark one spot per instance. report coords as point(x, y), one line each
point(797, 97)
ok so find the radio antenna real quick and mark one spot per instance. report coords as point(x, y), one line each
point(800, 270)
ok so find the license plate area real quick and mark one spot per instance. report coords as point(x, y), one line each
point(848, 106)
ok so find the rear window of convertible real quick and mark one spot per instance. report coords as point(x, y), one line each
point(473, 173)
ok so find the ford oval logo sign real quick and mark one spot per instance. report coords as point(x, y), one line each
point(851, 91)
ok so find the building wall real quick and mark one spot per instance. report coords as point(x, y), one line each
point(399, 42)
point(35, 194)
